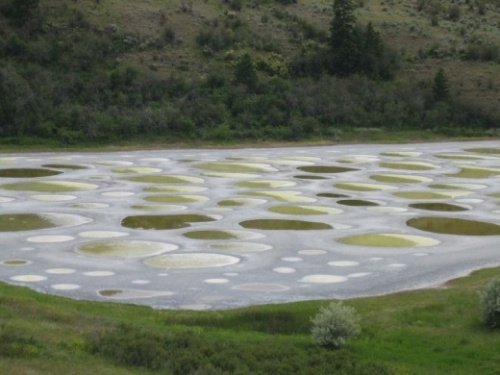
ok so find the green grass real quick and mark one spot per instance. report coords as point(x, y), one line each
point(431, 331)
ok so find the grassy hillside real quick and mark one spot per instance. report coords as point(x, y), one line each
point(435, 331)
point(101, 70)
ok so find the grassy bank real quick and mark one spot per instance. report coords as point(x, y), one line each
point(432, 331)
point(353, 137)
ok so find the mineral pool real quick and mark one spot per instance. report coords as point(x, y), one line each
point(228, 228)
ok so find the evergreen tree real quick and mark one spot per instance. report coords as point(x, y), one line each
point(372, 53)
point(440, 88)
point(344, 39)
point(20, 11)
point(245, 72)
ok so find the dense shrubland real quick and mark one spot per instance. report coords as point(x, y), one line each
point(64, 77)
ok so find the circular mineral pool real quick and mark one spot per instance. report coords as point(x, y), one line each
point(118, 194)
point(239, 202)
point(283, 195)
point(357, 186)
point(125, 249)
point(267, 184)
point(66, 166)
point(284, 270)
point(30, 221)
point(485, 150)
point(421, 195)
point(137, 170)
point(413, 166)
point(98, 273)
point(400, 178)
point(236, 167)
point(262, 288)
point(161, 222)
point(27, 172)
point(457, 186)
point(309, 177)
point(216, 281)
point(191, 260)
point(476, 172)
point(312, 252)
point(460, 156)
point(401, 154)
point(388, 240)
point(447, 225)
point(91, 205)
point(53, 197)
point(14, 262)
point(60, 271)
point(176, 198)
point(357, 159)
point(277, 224)
point(357, 203)
point(304, 210)
point(332, 195)
point(326, 169)
point(438, 207)
point(65, 286)
point(211, 235)
point(343, 263)
point(174, 189)
point(166, 179)
point(323, 279)
point(229, 175)
point(49, 186)
point(158, 207)
point(102, 234)
point(28, 278)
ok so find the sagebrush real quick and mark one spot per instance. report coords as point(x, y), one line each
point(490, 303)
point(335, 324)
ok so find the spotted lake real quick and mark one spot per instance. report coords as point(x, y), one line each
point(206, 229)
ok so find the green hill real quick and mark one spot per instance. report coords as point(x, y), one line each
point(109, 70)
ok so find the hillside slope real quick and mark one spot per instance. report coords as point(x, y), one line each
point(96, 70)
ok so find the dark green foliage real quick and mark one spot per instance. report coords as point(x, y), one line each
point(440, 88)
point(190, 352)
point(344, 39)
point(14, 343)
point(20, 11)
point(490, 304)
point(244, 72)
point(354, 50)
point(131, 347)
point(69, 84)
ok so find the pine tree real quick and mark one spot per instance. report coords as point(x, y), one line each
point(440, 88)
point(245, 72)
point(344, 39)
point(372, 53)
point(20, 11)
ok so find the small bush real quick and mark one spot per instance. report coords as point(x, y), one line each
point(490, 303)
point(334, 325)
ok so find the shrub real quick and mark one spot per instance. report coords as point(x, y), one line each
point(490, 303)
point(334, 325)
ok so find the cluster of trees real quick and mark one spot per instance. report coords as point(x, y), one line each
point(72, 87)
